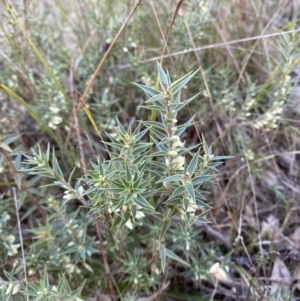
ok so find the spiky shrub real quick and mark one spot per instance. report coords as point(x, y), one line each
point(145, 193)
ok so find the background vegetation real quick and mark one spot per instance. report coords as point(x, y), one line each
point(249, 108)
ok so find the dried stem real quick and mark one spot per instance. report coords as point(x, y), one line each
point(83, 165)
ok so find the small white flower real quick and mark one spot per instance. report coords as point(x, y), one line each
point(68, 195)
point(9, 288)
point(5, 216)
point(218, 272)
point(80, 233)
point(16, 288)
point(31, 272)
point(10, 238)
point(179, 162)
point(57, 120)
point(139, 214)
point(51, 125)
point(133, 45)
point(81, 190)
point(129, 224)
point(70, 268)
point(13, 250)
point(174, 138)
point(192, 208)
point(54, 110)
point(172, 153)
point(177, 144)
point(187, 247)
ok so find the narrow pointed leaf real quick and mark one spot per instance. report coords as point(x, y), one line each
point(11, 139)
point(163, 78)
point(128, 174)
point(186, 204)
point(162, 253)
point(190, 190)
point(173, 256)
point(171, 179)
point(148, 90)
point(133, 209)
point(140, 200)
point(155, 124)
point(140, 135)
point(205, 146)
point(121, 128)
point(155, 98)
point(164, 228)
point(177, 191)
point(193, 164)
point(186, 102)
point(179, 84)
point(183, 127)
point(201, 179)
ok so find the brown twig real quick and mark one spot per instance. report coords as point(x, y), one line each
point(112, 44)
point(84, 172)
point(75, 118)
point(212, 46)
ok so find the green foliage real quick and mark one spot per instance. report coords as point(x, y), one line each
point(137, 214)
point(119, 192)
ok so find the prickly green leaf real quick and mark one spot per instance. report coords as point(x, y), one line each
point(114, 190)
point(11, 139)
point(148, 90)
point(205, 146)
point(133, 209)
point(155, 107)
point(160, 154)
point(183, 127)
point(186, 102)
point(140, 200)
point(163, 78)
point(158, 134)
point(56, 166)
point(180, 83)
point(71, 175)
point(162, 253)
point(173, 256)
point(165, 227)
point(190, 190)
point(138, 136)
point(201, 179)
point(177, 191)
point(171, 179)
point(193, 164)
point(155, 98)
point(186, 204)
point(128, 174)
point(5, 147)
point(155, 124)
point(120, 127)
point(200, 203)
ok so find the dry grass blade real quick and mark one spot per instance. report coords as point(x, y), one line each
point(106, 54)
